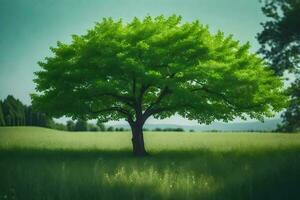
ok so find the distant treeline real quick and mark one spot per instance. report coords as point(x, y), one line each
point(14, 113)
point(167, 130)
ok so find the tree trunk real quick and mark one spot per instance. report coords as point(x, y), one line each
point(138, 140)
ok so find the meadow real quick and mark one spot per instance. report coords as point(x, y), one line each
point(39, 163)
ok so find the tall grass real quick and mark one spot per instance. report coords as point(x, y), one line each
point(40, 163)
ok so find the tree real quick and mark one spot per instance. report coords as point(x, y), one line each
point(57, 126)
point(155, 67)
point(291, 117)
point(100, 125)
point(36, 118)
point(110, 129)
point(2, 120)
point(13, 111)
point(280, 46)
point(40, 119)
point(70, 125)
point(29, 116)
point(81, 125)
point(280, 38)
point(92, 127)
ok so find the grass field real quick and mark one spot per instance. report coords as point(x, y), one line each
point(37, 163)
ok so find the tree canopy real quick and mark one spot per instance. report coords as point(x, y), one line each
point(155, 67)
point(280, 38)
point(280, 45)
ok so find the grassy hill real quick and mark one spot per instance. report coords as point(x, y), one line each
point(38, 163)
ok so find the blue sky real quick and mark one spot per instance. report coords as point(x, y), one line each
point(29, 28)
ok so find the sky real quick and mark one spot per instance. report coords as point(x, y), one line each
point(29, 27)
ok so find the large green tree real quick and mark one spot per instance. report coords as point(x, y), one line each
point(155, 67)
point(280, 46)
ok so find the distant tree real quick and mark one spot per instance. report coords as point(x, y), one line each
point(57, 126)
point(70, 125)
point(110, 129)
point(36, 118)
point(2, 120)
point(120, 129)
point(14, 111)
point(155, 67)
point(100, 125)
point(178, 129)
point(81, 125)
point(92, 127)
point(172, 129)
point(40, 119)
point(280, 46)
point(29, 118)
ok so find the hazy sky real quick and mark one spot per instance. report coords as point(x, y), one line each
point(29, 27)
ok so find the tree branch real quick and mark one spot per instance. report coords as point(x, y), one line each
point(162, 94)
point(154, 111)
point(144, 88)
point(224, 98)
point(130, 121)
